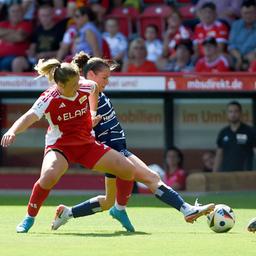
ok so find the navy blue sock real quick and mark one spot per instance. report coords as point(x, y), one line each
point(169, 196)
point(88, 207)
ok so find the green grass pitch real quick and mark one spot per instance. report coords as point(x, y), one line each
point(160, 230)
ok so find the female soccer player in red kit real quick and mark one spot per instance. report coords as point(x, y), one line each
point(68, 139)
point(109, 132)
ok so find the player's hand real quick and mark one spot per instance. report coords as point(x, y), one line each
point(96, 120)
point(7, 139)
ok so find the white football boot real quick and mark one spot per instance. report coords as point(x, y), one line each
point(62, 215)
point(197, 211)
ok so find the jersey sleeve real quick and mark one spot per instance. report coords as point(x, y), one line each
point(41, 104)
point(88, 86)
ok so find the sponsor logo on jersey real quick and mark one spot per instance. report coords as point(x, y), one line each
point(82, 99)
point(62, 105)
point(67, 116)
point(108, 117)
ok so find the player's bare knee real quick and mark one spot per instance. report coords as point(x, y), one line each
point(48, 180)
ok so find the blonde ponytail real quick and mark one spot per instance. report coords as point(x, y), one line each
point(55, 71)
point(47, 68)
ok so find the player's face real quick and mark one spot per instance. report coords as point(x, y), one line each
point(101, 78)
point(233, 114)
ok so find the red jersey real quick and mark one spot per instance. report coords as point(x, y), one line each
point(218, 30)
point(218, 65)
point(15, 48)
point(69, 118)
point(147, 66)
point(179, 176)
point(181, 33)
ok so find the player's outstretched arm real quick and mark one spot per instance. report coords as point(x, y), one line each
point(24, 122)
point(93, 102)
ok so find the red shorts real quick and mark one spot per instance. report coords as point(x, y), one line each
point(86, 154)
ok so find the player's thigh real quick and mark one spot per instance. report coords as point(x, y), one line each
point(54, 165)
point(143, 173)
point(115, 163)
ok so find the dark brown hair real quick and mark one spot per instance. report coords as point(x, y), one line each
point(86, 63)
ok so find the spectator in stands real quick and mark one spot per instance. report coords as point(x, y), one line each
point(99, 7)
point(209, 27)
point(153, 44)
point(242, 41)
point(84, 36)
point(45, 40)
point(175, 175)
point(227, 10)
point(174, 33)
point(14, 37)
point(212, 61)
point(182, 62)
point(235, 142)
point(137, 61)
point(208, 159)
point(116, 41)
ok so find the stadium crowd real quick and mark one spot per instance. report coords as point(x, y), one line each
point(141, 35)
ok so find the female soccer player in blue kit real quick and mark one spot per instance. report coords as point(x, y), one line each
point(110, 132)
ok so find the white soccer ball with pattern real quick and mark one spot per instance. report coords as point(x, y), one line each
point(221, 219)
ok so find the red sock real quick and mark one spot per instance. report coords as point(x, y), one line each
point(37, 198)
point(123, 191)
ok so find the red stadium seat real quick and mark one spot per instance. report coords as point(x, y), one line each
point(187, 11)
point(130, 12)
point(125, 24)
point(158, 10)
point(126, 16)
point(156, 15)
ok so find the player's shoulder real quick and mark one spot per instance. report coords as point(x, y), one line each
point(86, 85)
point(49, 94)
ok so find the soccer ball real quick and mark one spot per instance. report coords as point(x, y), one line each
point(221, 219)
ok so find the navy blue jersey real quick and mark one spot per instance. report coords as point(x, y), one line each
point(109, 130)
